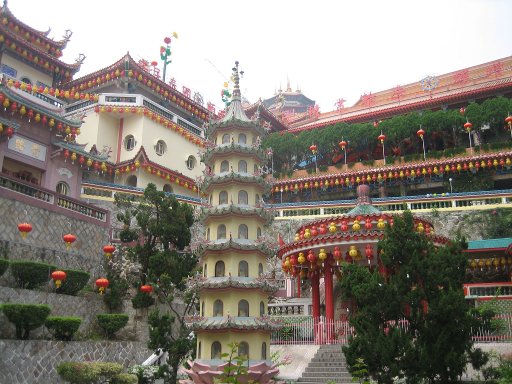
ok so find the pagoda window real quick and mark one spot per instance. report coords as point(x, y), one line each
point(167, 188)
point(262, 308)
point(26, 80)
point(131, 181)
point(205, 270)
point(263, 351)
point(216, 350)
point(242, 139)
point(242, 166)
point(243, 349)
point(224, 166)
point(258, 232)
point(243, 308)
point(160, 147)
point(199, 351)
point(208, 234)
point(243, 198)
point(260, 269)
point(202, 309)
point(129, 142)
point(243, 231)
point(191, 162)
point(221, 232)
point(62, 188)
point(223, 197)
point(243, 269)
point(225, 138)
point(219, 269)
point(218, 308)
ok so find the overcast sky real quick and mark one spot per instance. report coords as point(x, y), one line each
point(329, 49)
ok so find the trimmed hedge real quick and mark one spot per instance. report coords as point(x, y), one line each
point(89, 372)
point(124, 378)
point(112, 322)
point(26, 317)
point(142, 300)
point(30, 274)
point(63, 328)
point(4, 264)
point(75, 281)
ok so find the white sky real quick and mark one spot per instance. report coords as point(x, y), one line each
point(330, 49)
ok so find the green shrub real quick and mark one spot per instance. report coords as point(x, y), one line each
point(124, 378)
point(127, 235)
point(116, 293)
point(112, 322)
point(4, 264)
point(75, 281)
point(26, 317)
point(30, 274)
point(142, 300)
point(88, 372)
point(63, 328)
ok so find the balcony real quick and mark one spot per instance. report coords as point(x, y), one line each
point(487, 291)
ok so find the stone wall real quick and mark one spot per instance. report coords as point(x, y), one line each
point(35, 361)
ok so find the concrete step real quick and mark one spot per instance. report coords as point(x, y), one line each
point(326, 369)
point(326, 374)
point(321, 364)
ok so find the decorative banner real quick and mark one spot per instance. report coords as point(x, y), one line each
point(27, 147)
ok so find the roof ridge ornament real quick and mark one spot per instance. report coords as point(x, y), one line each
point(236, 79)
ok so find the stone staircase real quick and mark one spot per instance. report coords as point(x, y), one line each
point(328, 365)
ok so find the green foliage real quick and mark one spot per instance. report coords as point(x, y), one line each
point(75, 281)
point(89, 372)
point(30, 274)
point(146, 374)
point(493, 224)
point(422, 285)
point(4, 264)
point(26, 317)
point(112, 322)
point(360, 372)
point(142, 300)
point(125, 378)
point(63, 328)
point(235, 368)
point(114, 296)
point(171, 267)
point(504, 369)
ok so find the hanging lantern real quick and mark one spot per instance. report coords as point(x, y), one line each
point(369, 253)
point(102, 285)
point(420, 133)
point(322, 255)
point(356, 226)
point(58, 277)
point(468, 126)
point(301, 259)
point(352, 251)
point(332, 227)
point(381, 224)
point(381, 138)
point(69, 239)
point(146, 289)
point(342, 144)
point(24, 229)
point(108, 250)
point(368, 224)
point(313, 148)
point(311, 257)
point(337, 254)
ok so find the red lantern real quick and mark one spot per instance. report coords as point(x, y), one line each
point(342, 144)
point(313, 148)
point(382, 137)
point(108, 250)
point(311, 257)
point(102, 285)
point(24, 228)
point(337, 253)
point(146, 289)
point(468, 126)
point(58, 277)
point(368, 224)
point(9, 132)
point(369, 253)
point(69, 239)
point(420, 133)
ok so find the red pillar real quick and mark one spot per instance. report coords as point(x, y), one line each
point(298, 285)
point(315, 297)
point(329, 304)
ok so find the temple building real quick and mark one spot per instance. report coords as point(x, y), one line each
point(233, 289)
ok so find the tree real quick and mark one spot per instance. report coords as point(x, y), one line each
point(162, 227)
point(414, 321)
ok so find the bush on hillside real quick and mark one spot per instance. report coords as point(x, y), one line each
point(30, 274)
point(142, 300)
point(26, 317)
point(89, 372)
point(4, 264)
point(63, 328)
point(75, 281)
point(112, 322)
point(124, 378)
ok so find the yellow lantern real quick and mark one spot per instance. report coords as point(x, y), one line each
point(356, 226)
point(322, 255)
point(332, 227)
point(420, 228)
point(381, 224)
point(89, 163)
point(297, 237)
point(73, 157)
point(301, 259)
point(307, 234)
point(352, 251)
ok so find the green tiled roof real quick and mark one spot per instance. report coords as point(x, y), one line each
point(489, 243)
point(363, 209)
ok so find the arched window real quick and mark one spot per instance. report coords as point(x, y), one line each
point(242, 139)
point(243, 349)
point(205, 270)
point(216, 350)
point(221, 232)
point(243, 232)
point(243, 198)
point(62, 188)
point(219, 269)
point(26, 80)
point(262, 308)
point(263, 351)
point(243, 308)
point(224, 166)
point(242, 166)
point(129, 142)
point(202, 309)
point(260, 269)
point(199, 351)
point(257, 199)
point(258, 232)
point(243, 269)
point(218, 308)
point(226, 138)
point(167, 188)
point(160, 147)
point(131, 181)
point(191, 162)
point(208, 234)
point(223, 197)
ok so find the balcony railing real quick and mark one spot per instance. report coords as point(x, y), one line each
point(488, 290)
point(51, 200)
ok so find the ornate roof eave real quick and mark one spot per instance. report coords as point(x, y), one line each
point(236, 283)
point(199, 323)
point(266, 114)
point(233, 177)
point(132, 65)
point(79, 150)
point(37, 108)
point(233, 244)
point(233, 148)
point(222, 210)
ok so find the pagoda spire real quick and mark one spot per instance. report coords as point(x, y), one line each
point(235, 110)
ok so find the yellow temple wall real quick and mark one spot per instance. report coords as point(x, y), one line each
point(234, 134)
point(254, 339)
point(232, 191)
point(27, 71)
point(233, 163)
point(231, 261)
point(230, 299)
point(232, 225)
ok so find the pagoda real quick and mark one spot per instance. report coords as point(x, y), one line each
point(233, 290)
